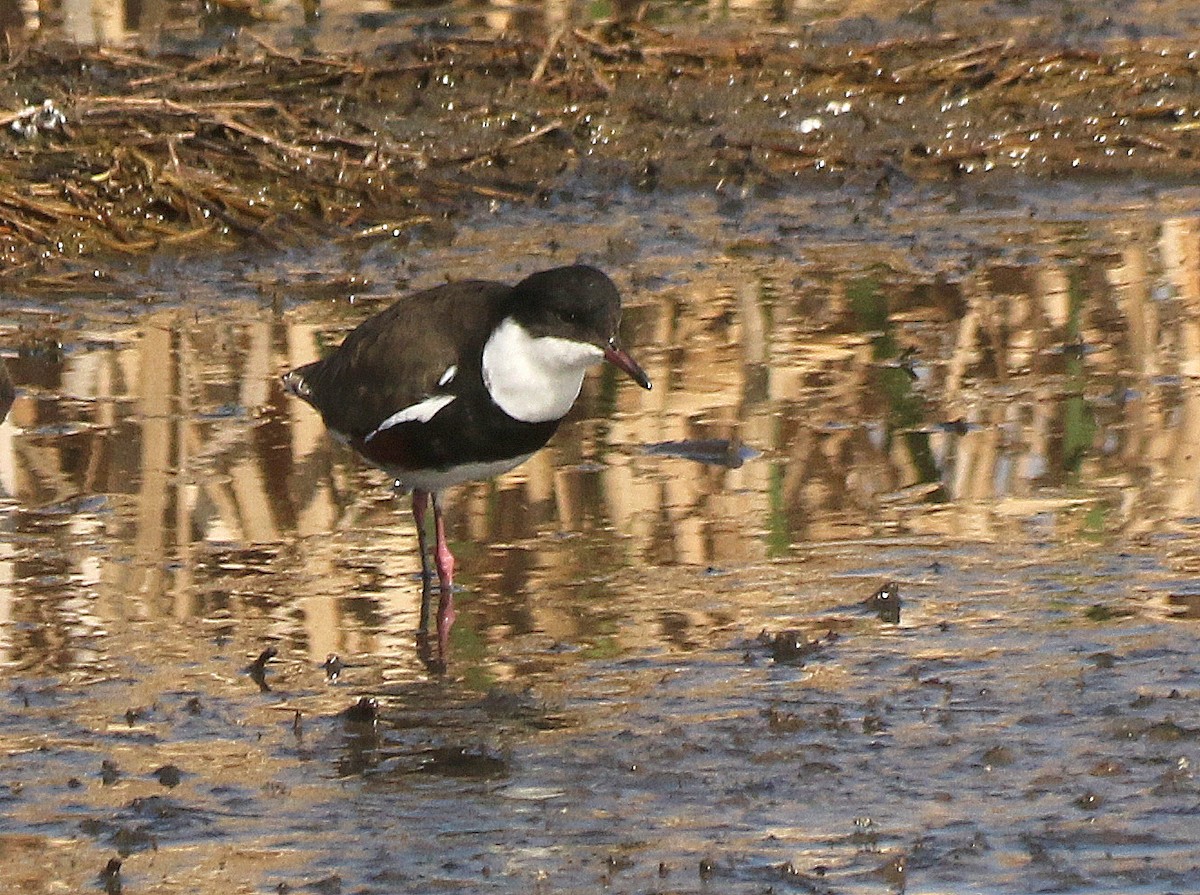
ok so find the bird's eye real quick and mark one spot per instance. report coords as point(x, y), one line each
point(566, 316)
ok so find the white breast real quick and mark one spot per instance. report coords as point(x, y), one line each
point(534, 379)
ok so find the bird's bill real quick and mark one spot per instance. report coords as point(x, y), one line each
point(619, 358)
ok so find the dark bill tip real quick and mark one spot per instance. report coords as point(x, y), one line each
point(619, 358)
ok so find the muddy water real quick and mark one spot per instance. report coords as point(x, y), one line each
point(367, 26)
point(663, 676)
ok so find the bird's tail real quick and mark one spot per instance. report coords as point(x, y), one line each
point(295, 383)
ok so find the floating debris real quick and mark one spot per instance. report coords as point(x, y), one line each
point(1183, 605)
point(258, 668)
point(110, 876)
point(365, 711)
point(33, 120)
point(476, 762)
point(333, 667)
point(793, 647)
point(894, 872)
point(168, 775)
point(885, 603)
point(730, 453)
point(1100, 612)
point(906, 361)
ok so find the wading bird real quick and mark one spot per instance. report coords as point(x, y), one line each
point(462, 382)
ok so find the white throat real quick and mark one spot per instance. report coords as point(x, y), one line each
point(534, 379)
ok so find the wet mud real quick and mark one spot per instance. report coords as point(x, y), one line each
point(670, 672)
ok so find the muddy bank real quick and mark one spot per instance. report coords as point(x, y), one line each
point(255, 143)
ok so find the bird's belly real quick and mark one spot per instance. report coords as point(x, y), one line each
point(439, 479)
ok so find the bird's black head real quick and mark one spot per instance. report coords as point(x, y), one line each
point(578, 303)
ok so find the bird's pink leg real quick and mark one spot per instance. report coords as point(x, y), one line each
point(445, 566)
point(420, 501)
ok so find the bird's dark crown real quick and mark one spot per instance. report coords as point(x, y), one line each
point(577, 302)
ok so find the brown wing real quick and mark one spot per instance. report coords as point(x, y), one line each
point(396, 358)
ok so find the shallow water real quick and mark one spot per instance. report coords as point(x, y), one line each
point(988, 395)
point(366, 26)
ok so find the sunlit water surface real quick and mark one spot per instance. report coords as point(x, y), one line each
point(990, 397)
point(369, 26)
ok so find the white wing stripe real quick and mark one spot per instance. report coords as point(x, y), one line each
point(421, 412)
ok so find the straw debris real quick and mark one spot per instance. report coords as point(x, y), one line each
point(109, 150)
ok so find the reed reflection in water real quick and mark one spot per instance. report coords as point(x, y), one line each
point(158, 469)
point(352, 25)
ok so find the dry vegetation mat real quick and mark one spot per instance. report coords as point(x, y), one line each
point(109, 150)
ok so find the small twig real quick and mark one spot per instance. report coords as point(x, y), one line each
point(180, 74)
point(274, 142)
point(455, 188)
point(389, 228)
point(472, 158)
point(131, 60)
point(106, 104)
point(539, 70)
point(273, 50)
point(1148, 142)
